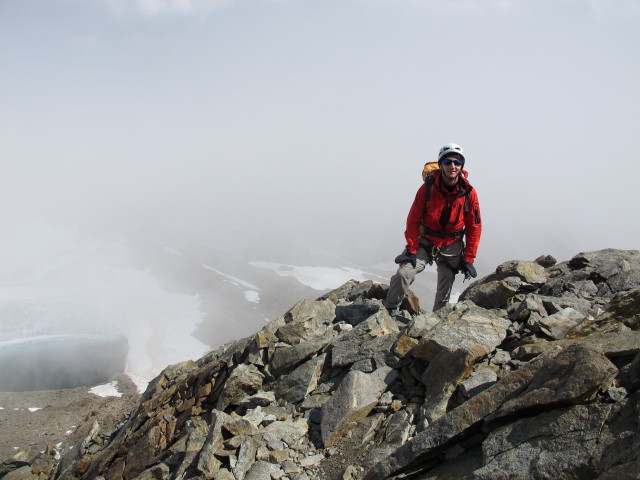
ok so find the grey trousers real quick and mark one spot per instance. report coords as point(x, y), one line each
point(447, 265)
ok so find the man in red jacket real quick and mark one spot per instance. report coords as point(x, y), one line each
point(444, 212)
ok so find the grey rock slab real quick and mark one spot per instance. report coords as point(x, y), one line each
point(307, 320)
point(198, 431)
point(619, 268)
point(372, 338)
point(622, 313)
point(262, 470)
point(562, 443)
point(573, 375)
point(492, 294)
point(421, 324)
point(260, 398)
point(520, 311)
point(565, 377)
point(445, 371)
point(556, 304)
point(610, 344)
point(246, 457)
point(353, 400)
point(289, 432)
point(546, 261)
point(21, 473)
point(239, 426)
point(620, 438)
point(295, 386)
point(530, 272)
point(286, 358)
point(559, 324)
point(353, 289)
point(470, 327)
point(244, 380)
point(478, 381)
point(208, 464)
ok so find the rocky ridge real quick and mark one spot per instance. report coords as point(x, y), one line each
point(534, 373)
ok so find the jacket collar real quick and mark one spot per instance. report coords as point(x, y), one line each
point(463, 186)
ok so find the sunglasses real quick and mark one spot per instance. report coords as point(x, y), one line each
point(449, 161)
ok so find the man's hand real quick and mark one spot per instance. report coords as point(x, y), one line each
point(469, 270)
point(406, 258)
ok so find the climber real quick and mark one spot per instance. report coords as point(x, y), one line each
point(444, 226)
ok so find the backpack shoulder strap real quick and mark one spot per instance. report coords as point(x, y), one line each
point(428, 182)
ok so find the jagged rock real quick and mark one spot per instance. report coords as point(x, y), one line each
point(546, 261)
point(421, 324)
point(301, 381)
point(361, 343)
point(352, 401)
point(404, 345)
point(353, 290)
point(263, 471)
point(619, 441)
point(567, 377)
point(245, 379)
point(478, 382)
point(622, 313)
point(619, 268)
point(259, 399)
point(495, 290)
point(410, 303)
point(476, 329)
point(286, 431)
point(610, 270)
point(365, 430)
point(445, 371)
point(286, 358)
point(488, 293)
point(520, 311)
point(160, 471)
point(610, 344)
point(396, 433)
point(208, 464)
point(138, 457)
point(21, 473)
point(557, 444)
point(529, 272)
point(559, 324)
point(630, 374)
point(307, 320)
point(246, 458)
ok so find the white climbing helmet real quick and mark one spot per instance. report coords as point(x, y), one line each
point(450, 148)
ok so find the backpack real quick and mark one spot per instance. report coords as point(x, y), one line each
point(428, 168)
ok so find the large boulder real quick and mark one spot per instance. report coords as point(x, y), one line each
point(567, 377)
point(452, 347)
point(353, 400)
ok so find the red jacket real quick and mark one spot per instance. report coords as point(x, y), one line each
point(446, 214)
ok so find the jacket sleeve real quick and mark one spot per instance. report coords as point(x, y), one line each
point(473, 228)
point(412, 233)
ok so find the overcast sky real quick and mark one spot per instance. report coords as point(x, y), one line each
point(314, 118)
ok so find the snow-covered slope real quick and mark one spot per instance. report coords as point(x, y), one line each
point(172, 301)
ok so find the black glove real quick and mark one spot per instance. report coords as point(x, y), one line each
point(406, 258)
point(469, 270)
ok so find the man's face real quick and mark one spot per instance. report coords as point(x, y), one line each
point(451, 167)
